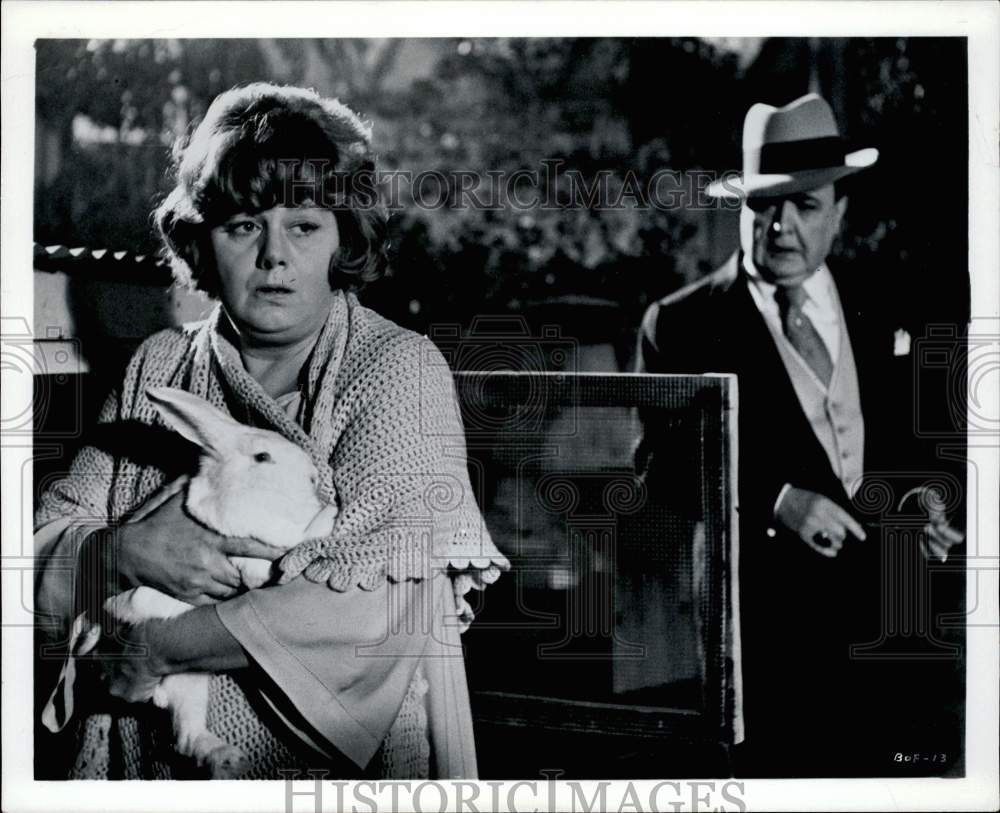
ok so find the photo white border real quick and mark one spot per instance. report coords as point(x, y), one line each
point(23, 22)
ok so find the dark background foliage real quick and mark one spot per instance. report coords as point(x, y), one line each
point(108, 110)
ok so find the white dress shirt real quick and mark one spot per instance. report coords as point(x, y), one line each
point(822, 305)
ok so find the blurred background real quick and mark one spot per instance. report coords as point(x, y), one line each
point(108, 110)
point(530, 288)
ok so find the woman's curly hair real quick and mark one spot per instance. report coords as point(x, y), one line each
point(265, 145)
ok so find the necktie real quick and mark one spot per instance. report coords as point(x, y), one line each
point(802, 333)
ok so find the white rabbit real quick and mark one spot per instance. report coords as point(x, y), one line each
point(251, 482)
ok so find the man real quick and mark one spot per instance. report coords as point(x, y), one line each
point(812, 351)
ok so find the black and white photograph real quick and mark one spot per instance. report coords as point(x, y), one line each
point(500, 406)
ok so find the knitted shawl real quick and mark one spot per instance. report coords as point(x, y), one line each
point(379, 419)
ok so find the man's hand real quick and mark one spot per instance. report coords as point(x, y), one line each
point(816, 520)
point(173, 553)
point(940, 535)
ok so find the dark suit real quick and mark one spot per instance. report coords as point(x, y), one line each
point(809, 708)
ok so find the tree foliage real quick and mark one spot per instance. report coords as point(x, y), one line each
point(617, 110)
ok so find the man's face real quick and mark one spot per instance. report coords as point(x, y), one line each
point(792, 234)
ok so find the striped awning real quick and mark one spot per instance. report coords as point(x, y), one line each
point(103, 263)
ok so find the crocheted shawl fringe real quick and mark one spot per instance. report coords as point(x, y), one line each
point(379, 419)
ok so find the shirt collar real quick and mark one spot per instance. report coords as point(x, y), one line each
point(817, 285)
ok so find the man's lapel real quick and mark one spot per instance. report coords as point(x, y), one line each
point(862, 333)
point(751, 342)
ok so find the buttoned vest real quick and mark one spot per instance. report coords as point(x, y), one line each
point(835, 414)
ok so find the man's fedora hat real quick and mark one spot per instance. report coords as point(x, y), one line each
point(791, 149)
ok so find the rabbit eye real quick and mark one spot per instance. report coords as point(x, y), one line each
point(262, 457)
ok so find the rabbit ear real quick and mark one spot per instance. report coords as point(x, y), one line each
point(195, 419)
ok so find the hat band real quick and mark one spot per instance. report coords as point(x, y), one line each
point(782, 157)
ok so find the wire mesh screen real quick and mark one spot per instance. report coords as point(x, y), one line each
point(618, 616)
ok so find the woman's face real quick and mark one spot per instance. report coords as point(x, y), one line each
point(274, 271)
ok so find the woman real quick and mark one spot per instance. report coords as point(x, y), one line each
point(274, 213)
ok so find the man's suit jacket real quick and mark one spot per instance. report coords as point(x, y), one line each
point(792, 599)
point(800, 612)
point(714, 326)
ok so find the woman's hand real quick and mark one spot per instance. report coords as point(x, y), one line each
point(136, 657)
point(131, 666)
point(175, 554)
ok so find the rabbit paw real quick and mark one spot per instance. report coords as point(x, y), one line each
point(226, 762)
